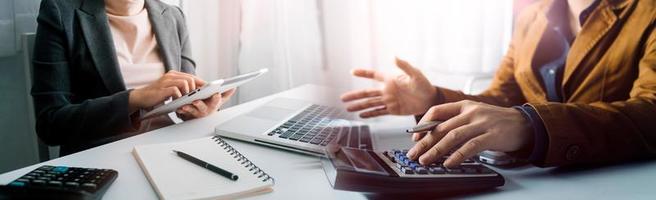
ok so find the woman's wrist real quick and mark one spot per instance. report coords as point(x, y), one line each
point(133, 100)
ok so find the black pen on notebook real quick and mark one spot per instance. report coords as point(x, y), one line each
point(206, 165)
point(424, 127)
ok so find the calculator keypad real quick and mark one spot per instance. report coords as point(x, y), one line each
point(71, 178)
point(405, 167)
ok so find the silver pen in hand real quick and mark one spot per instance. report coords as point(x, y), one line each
point(424, 127)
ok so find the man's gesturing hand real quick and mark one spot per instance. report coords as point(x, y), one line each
point(407, 94)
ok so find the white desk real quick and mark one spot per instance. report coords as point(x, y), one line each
point(299, 176)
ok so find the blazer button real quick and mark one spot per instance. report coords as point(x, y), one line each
point(573, 152)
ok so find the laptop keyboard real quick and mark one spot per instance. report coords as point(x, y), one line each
point(318, 125)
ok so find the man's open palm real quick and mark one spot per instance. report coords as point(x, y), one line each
point(406, 94)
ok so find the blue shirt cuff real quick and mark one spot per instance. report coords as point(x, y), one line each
point(541, 139)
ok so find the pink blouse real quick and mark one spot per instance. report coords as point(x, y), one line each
point(136, 49)
point(135, 42)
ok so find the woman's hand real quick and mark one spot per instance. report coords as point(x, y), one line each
point(407, 94)
point(477, 126)
point(172, 84)
point(203, 108)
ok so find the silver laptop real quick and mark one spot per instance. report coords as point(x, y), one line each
point(298, 126)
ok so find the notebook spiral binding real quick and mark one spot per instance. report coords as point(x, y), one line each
point(245, 162)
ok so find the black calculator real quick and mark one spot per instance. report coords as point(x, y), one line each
point(392, 172)
point(60, 182)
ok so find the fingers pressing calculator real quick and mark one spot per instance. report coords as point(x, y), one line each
point(392, 172)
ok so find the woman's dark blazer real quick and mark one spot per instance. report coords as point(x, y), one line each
point(79, 95)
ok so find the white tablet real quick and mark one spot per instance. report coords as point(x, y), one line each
point(214, 87)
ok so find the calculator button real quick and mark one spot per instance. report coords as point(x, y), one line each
point(421, 170)
point(17, 184)
point(89, 186)
point(406, 161)
point(23, 180)
point(436, 170)
point(72, 184)
point(400, 165)
point(55, 183)
point(60, 169)
point(413, 164)
point(406, 170)
point(39, 182)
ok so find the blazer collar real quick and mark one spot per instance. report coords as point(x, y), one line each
point(597, 26)
point(166, 34)
point(97, 35)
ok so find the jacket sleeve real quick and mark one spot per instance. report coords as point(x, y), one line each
point(605, 131)
point(58, 119)
point(504, 90)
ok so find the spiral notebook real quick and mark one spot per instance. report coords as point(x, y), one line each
point(175, 178)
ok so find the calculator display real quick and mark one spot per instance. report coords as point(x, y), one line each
point(363, 161)
point(358, 160)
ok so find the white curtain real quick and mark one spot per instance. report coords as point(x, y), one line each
point(320, 41)
point(284, 36)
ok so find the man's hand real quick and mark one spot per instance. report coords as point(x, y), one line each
point(476, 125)
point(407, 94)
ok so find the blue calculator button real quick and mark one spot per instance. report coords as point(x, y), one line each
point(413, 165)
point(60, 169)
point(398, 155)
point(17, 184)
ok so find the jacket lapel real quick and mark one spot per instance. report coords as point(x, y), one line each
point(532, 42)
point(600, 22)
point(165, 33)
point(97, 35)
